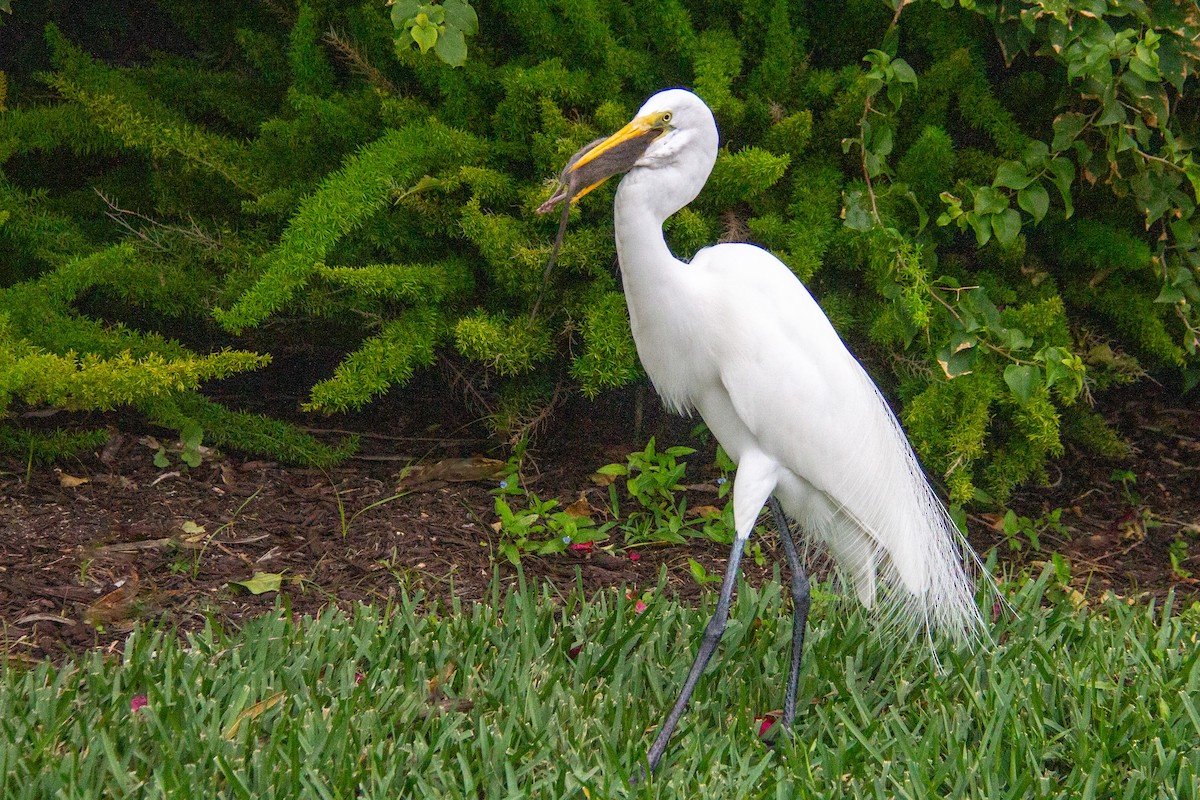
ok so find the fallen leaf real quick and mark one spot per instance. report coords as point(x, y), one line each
point(454, 470)
point(191, 527)
point(108, 455)
point(114, 606)
point(580, 508)
point(70, 481)
point(994, 521)
point(253, 712)
point(602, 479)
point(261, 583)
point(707, 512)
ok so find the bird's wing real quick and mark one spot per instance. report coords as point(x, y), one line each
point(792, 381)
point(808, 403)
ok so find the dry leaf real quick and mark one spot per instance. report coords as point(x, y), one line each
point(253, 712)
point(454, 470)
point(580, 508)
point(708, 512)
point(70, 481)
point(115, 605)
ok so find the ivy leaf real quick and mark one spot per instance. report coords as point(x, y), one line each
point(904, 73)
point(403, 11)
point(1022, 379)
point(451, 47)
point(1014, 338)
point(1170, 294)
point(459, 14)
point(1113, 112)
point(1063, 176)
point(989, 201)
point(1035, 200)
point(958, 357)
point(982, 226)
point(1067, 128)
point(1012, 175)
point(424, 33)
point(1007, 224)
point(855, 212)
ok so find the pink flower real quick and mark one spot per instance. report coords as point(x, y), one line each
point(764, 724)
point(583, 547)
point(137, 702)
point(639, 607)
point(635, 556)
point(358, 677)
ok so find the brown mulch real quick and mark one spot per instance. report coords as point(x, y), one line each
point(91, 546)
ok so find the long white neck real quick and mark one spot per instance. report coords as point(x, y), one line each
point(638, 213)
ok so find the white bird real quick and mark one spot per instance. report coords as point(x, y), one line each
point(735, 336)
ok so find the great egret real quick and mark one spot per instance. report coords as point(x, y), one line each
point(735, 336)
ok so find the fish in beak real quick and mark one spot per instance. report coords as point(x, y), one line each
point(603, 158)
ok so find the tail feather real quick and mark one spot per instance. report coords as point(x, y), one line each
point(892, 537)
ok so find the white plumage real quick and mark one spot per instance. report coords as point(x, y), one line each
point(735, 336)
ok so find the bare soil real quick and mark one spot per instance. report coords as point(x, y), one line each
point(89, 547)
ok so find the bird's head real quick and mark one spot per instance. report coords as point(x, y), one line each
point(673, 129)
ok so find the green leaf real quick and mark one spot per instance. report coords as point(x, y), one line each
point(1035, 200)
point(1113, 112)
point(856, 213)
point(424, 34)
point(904, 73)
point(1014, 338)
point(1067, 128)
point(1007, 224)
point(1022, 379)
point(1170, 294)
point(1063, 172)
point(958, 357)
point(160, 458)
point(262, 582)
point(451, 47)
point(403, 11)
point(989, 201)
point(459, 14)
point(981, 223)
point(1012, 174)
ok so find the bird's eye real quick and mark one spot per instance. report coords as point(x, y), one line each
point(666, 116)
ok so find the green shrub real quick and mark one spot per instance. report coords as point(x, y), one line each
point(162, 212)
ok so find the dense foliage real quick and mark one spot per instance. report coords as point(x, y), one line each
point(995, 203)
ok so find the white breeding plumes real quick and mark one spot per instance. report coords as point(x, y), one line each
point(735, 336)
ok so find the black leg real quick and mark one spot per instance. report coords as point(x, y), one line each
point(712, 636)
point(801, 600)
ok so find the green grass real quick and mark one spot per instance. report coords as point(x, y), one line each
point(1068, 703)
